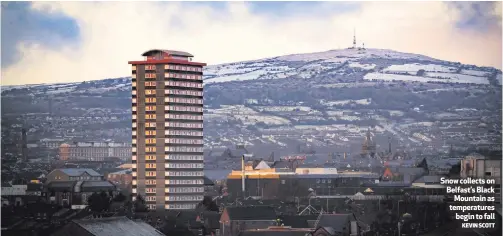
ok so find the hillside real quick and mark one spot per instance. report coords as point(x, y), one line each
point(324, 100)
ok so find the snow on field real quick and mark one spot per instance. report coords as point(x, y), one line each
point(352, 53)
point(411, 78)
point(253, 119)
point(283, 108)
point(347, 85)
point(339, 112)
point(416, 67)
point(476, 73)
point(254, 73)
point(460, 78)
point(362, 66)
point(233, 109)
point(396, 113)
point(365, 101)
point(306, 118)
point(241, 77)
point(61, 90)
point(391, 77)
point(209, 116)
point(346, 117)
point(225, 70)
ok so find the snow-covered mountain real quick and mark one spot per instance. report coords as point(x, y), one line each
point(365, 64)
point(379, 64)
point(324, 99)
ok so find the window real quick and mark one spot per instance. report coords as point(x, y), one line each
point(150, 190)
point(183, 149)
point(150, 116)
point(150, 157)
point(184, 125)
point(150, 108)
point(150, 100)
point(183, 181)
point(150, 124)
point(184, 132)
point(183, 84)
point(150, 67)
point(150, 165)
point(150, 75)
point(150, 91)
point(150, 181)
point(150, 83)
point(150, 198)
point(150, 132)
point(150, 173)
point(183, 92)
point(150, 141)
point(184, 108)
point(184, 157)
point(184, 141)
point(150, 149)
point(151, 207)
point(133, 84)
point(184, 165)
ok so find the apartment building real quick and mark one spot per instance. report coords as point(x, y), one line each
point(167, 107)
point(94, 151)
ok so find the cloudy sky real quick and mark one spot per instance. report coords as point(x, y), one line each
point(51, 42)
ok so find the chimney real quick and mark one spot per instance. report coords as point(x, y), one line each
point(24, 145)
point(243, 174)
point(389, 143)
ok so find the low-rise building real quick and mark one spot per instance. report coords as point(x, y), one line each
point(108, 226)
point(122, 178)
point(71, 174)
point(235, 219)
point(68, 193)
point(95, 151)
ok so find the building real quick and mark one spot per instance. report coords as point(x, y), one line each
point(282, 184)
point(51, 143)
point(167, 107)
point(94, 151)
point(478, 166)
point(122, 178)
point(71, 174)
point(108, 226)
point(76, 192)
point(235, 219)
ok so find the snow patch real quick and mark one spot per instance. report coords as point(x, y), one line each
point(414, 68)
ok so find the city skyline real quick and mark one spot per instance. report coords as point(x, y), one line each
point(56, 39)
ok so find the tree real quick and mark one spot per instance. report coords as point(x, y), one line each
point(99, 202)
point(119, 198)
point(140, 204)
point(95, 202)
point(207, 204)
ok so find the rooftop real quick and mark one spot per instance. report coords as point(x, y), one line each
point(169, 52)
point(78, 172)
point(117, 226)
point(251, 213)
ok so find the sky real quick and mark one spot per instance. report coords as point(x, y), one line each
point(58, 42)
